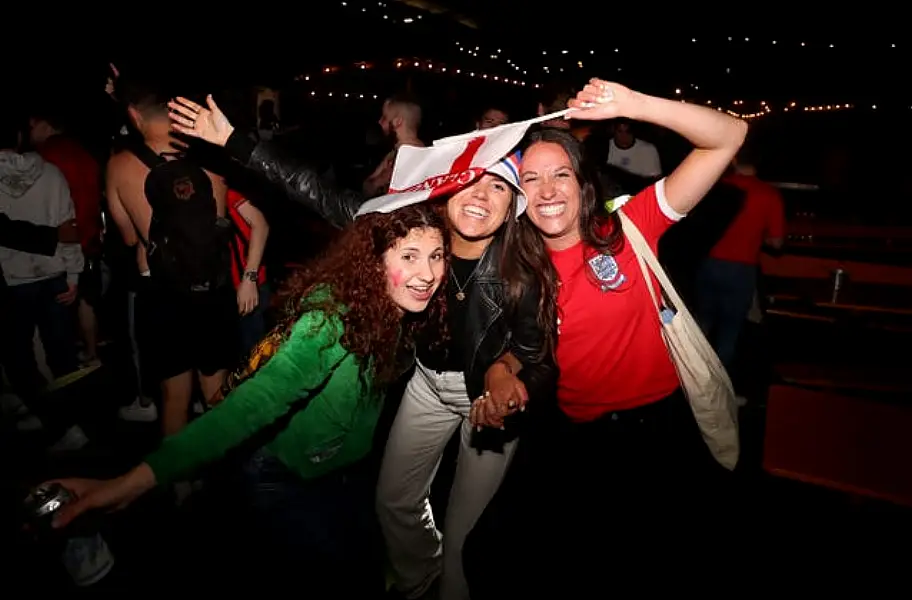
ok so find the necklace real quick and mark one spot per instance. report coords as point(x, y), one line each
point(460, 287)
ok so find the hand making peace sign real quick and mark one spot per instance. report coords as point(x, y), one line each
point(208, 124)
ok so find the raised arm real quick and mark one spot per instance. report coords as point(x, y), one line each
point(300, 181)
point(715, 135)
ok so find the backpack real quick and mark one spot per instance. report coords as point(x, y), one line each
point(188, 245)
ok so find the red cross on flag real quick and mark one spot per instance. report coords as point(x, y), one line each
point(452, 163)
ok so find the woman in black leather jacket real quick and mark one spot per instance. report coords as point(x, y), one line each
point(500, 353)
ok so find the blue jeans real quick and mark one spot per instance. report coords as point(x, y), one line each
point(35, 305)
point(725, 292)
point(318, 533)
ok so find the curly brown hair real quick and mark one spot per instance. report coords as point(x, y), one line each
point(353, 272)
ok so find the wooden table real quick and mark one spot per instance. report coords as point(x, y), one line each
point(876, 299)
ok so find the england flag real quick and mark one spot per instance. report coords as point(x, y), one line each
point(452, 163)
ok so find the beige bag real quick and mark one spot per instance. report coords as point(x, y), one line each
point(703, 378)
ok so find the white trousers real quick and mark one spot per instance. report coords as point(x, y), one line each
point(434, 405)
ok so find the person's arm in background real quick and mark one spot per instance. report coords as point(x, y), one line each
point(36, 239)
point(377, 183)
point(71, 254)
point(248, 296)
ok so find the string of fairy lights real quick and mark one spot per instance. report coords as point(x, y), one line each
point(736, 108)
point(563, 60)
point(496, 66)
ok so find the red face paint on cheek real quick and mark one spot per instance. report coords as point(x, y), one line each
point(396, 278)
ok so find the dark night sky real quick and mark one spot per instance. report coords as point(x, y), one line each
point(654, 50)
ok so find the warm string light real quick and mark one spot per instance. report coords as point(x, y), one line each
point(413, 16)
point(426, 66)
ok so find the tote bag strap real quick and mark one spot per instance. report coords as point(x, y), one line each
point(647, 258)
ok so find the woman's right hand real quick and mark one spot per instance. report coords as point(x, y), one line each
point(110, 494)
point(208, 124)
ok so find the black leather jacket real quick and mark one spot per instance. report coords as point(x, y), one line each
point(489, 332)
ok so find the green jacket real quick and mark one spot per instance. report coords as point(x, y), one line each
point(335, 429)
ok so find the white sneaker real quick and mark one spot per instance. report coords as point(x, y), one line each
point(139, 413)
point(74, 439)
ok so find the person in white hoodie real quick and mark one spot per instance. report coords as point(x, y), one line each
point(41, 289)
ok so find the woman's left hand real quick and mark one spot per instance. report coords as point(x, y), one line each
point(504, 395)
point(601, 100)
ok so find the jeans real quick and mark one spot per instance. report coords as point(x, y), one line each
point(435, 405)
point(725, 293)
point(25, 307)
point(33, 305)
point(316, 534)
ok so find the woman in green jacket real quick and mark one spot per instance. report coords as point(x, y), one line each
point(308, 401)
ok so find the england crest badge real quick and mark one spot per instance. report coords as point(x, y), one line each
point(607, 271)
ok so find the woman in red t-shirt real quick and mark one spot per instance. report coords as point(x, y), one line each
point(619, 456)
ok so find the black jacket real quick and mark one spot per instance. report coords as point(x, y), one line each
point(490, 332)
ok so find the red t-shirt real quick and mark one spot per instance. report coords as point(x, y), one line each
point(762, 217)
point(242, 240)
point(83, 177)
point(610, 349)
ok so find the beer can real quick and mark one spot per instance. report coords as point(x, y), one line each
point(838, 279)
point(86, 556)
point(44, 501)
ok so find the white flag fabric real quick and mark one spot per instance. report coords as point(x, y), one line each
point(452, 163)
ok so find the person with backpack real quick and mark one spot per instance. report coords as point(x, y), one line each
point(306, 406)
point(174, 213)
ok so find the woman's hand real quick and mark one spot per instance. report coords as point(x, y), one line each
point(504, 395)
point(111, 494)
point(208, 124)
point(601, 100)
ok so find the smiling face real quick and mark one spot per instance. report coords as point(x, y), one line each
point(478, 211)
point(414, 268)
point(552, 187)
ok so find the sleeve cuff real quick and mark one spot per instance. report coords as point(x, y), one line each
point(666, 209)
point(158, 461)
point(72, 278)
point(240, 146)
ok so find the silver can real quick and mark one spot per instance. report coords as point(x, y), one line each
point(44, 501)
point(86, 557)
point(839, 280)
